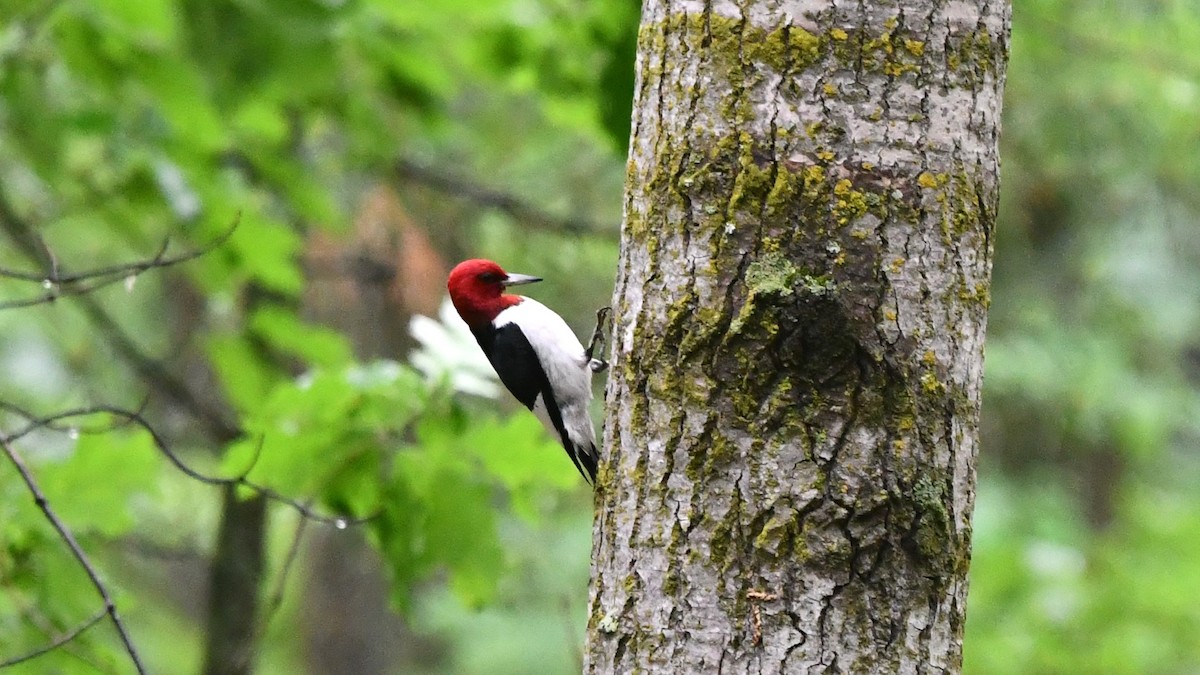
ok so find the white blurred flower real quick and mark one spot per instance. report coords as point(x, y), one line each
point(1059, 568)
point(1050, 559)
point(449, 352)
point(381, 372)
point(174, 186)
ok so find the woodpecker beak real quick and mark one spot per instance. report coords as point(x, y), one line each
point(519, 279)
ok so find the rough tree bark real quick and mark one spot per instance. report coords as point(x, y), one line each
point(800, 312)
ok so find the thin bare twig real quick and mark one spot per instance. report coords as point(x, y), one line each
point(571, 637)
point(136, 418)
point(57, 642)
point(757, 597)
point(153, 372)
point(58, 285)
point(55, 277)
point(55, 292)
point(51, 422)
point(285, 571)
point(110, 608)
point(36, 618)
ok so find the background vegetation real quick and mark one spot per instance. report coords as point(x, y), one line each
point(369, 144)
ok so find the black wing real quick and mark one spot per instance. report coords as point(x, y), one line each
point(519, 368)
point(514, 361)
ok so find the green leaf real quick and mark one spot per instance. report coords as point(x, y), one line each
point(356, 488)
point(94, 486)
point(180, 90)
point(261, 121)
point(299, 434)
point(460, 531)
point(304, 190)
point(267, 251)
point(438, 514)
point(392, 395)
point(153, 20)
point(317, 345)
point(519, 452)
point(456, 528)
point(396, 533)
point(241, 371)
point(326, 432)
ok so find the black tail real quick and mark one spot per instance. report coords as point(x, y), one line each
point(585, 459)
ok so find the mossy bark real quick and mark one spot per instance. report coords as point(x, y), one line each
point(800, 308)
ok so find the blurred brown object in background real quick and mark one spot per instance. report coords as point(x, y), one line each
point(368, 283)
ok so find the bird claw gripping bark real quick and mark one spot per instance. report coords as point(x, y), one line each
point(598, 365)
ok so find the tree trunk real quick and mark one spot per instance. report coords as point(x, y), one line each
point(800, 310)
point(232, 637)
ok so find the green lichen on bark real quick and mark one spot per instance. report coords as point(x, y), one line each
point(758, 186)
point(932, 535)
point(777, 536)
point(772, 273)
point(738, 43)
point(976, 55)
point(741, 50)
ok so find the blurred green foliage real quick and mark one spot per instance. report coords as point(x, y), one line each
point(1085, 553)
point(122, 123)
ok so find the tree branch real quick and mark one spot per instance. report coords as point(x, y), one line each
point(124, 270)
point(235, 584)
point(506, 203)
point(289, 562)
point(57, 642)
point(81, 283)
point(239, 481)
point(35, 421)
point(153, 372)
point(110, 608)
point(144, 366)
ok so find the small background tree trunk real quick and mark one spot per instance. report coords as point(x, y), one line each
point(231, 646)
point(800, 312)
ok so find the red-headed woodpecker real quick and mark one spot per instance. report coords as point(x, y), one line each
point(533, 351)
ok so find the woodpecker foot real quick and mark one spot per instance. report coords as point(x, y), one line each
point(598, 365)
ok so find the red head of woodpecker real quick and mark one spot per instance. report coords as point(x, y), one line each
point(533, 351)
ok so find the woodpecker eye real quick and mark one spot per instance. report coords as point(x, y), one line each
point(491, 277)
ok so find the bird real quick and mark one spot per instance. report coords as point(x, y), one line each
point(534, 352)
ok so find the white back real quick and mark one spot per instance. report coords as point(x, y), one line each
point(563, 359)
